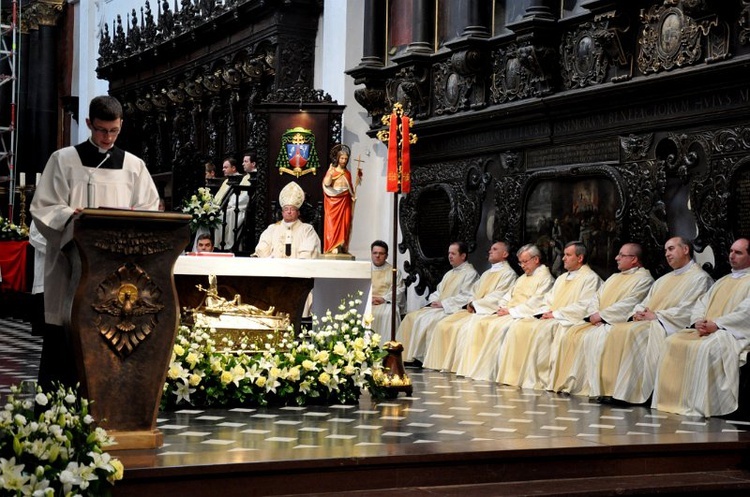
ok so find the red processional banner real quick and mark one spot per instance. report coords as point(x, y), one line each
point(405, 156)
point(392, 174)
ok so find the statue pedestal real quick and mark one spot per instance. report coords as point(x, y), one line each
point(337, 257)
point(123, 315)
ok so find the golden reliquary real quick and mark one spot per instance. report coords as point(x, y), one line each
point(237, 323)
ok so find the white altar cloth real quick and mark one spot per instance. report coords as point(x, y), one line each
point(333, 279)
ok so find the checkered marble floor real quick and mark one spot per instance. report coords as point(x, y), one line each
point(444, 409)
point(19, 354)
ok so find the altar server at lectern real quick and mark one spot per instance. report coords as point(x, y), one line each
point(94, 173)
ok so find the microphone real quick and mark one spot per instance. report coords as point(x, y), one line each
point(90, 187)
point(288, 247)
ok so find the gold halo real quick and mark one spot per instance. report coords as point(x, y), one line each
point(127, 288)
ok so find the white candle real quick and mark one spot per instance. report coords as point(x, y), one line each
point(21, 179)
point(38, 178)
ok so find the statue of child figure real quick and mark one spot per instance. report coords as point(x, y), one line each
point(339, 195)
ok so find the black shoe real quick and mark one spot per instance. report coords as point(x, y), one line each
point(415, 363)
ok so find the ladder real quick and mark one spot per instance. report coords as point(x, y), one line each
point(8, 67)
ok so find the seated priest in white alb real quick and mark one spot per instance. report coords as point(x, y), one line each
point(614, 303)
point(524, 357)
point(479, 341)
point(486, 295)
point(699, 370)
point(627, 366)
point(289, 238)
point(453, 292)
point(381, 290)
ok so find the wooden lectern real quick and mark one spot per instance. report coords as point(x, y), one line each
point(123, 314)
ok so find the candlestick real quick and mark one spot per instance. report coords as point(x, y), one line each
point(21, 179)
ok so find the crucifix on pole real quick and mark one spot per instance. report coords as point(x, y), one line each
point(398, 181)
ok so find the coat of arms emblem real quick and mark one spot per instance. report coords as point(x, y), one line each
point(297, 155)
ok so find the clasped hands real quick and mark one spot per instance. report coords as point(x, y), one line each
point(644, 315)
point(705, 327)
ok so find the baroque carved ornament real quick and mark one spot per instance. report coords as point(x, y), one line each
point(127, 304)
point(521, 71)
point(41, 13)
point(458, 83)
point(458, 190)
point(410, 87)
point(588, 52)
point(671, 37)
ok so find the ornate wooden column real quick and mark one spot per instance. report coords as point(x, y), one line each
point(539, 9)
point(423, 27)
point(38, 101)
point(373, 50)
point(475, 24)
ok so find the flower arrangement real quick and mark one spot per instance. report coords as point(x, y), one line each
point(10, 231)
point(330, 363)
point(204, 210)
point(57, 451)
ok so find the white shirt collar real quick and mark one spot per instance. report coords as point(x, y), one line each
point(460, 266)
point(572, 274)
point(684, 269)
point(739, 273)
point(631, 270)
point(497, 266)
point(100, 149)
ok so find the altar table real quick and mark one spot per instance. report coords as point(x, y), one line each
point(282, 283)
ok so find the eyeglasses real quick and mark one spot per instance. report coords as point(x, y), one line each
point(523, 263)
point(103, 131)
point(625, 255)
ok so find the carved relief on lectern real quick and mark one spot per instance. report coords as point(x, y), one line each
point(128, 304)
point(133, 242)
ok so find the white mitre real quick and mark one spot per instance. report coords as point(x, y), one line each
point(292, 194)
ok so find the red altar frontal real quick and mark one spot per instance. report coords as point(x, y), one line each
point(13, 260)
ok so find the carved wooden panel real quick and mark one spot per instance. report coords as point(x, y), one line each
point(445, 205)
point(673, 35)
